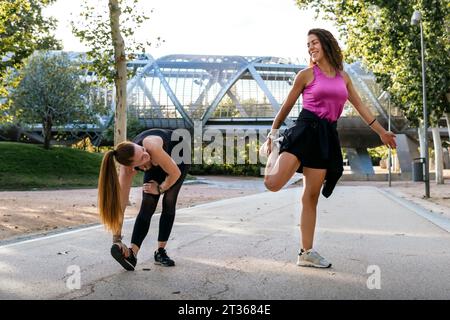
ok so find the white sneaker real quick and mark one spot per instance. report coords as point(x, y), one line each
point(312, 258)
point(263, 152)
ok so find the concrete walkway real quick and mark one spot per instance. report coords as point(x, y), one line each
point(245, 248)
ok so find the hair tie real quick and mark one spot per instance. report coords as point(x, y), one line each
point(370, 124)
point(115, 153)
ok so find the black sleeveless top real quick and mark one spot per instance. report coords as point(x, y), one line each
point(168, 145)
point(165, 135)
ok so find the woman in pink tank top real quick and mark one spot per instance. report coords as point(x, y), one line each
point(312, 145)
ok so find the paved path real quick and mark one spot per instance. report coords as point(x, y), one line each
point(245, 248)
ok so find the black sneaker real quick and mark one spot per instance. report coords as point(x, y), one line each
point(161, 258)
point(127, 262)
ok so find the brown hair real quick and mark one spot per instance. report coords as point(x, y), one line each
point(330, 47)
point(109, 201)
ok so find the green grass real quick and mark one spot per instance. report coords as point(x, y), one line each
point(30, 167)
point(27, 167)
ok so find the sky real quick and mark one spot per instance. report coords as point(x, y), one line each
point(211, 27)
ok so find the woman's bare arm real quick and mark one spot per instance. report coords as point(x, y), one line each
point(300, 82)
point(164, 160)
point(126, 175)
point(386, 137)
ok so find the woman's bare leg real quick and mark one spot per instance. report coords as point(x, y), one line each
point(312, 182)
point(279, 170)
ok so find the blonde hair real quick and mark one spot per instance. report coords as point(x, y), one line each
point(109, 201)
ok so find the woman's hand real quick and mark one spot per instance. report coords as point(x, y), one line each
point(388, 138)
point(267, 146)
point(151, 187)
point(123, 247)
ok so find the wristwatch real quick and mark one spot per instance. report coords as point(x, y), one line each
point(160, 190)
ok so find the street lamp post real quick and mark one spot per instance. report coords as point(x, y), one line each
point(387, 95)
point(417, 19)
point(390, 149)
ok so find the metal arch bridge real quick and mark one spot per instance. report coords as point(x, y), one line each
point(240, 92)
point(177, 90)
point(221, 92)
point(233, 92)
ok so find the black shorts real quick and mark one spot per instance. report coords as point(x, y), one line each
point(305, 142)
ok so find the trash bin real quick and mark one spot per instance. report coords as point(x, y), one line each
point(417, 169)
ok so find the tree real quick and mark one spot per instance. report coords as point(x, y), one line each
point(51, 92)
point(23, 30)
point(379, 33)
point(104, 30)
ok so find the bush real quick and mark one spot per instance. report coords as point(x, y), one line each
point(226, 169)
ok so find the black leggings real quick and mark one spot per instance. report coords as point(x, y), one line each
point(149, 203)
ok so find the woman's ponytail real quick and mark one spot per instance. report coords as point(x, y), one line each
point(109, 201)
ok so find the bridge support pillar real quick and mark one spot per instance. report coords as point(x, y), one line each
point(446, 158)
point(407, 150)
point(360, 161)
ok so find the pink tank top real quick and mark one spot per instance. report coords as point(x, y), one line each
point(325, 96)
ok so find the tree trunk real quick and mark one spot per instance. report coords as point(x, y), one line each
point(438, 156)
point(120, 81)
point(47, 126)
